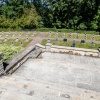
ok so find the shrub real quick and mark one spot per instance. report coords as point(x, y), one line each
point(9, 51)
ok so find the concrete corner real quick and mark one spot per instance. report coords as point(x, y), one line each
point(48, 47)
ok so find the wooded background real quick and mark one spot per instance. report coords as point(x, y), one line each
point(68, 14)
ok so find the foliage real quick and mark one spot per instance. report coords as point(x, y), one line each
point(9, 51)
point(18, 14)
point(68, 14)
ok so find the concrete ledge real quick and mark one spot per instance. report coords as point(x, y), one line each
point(75, 51)
point(69, 50)
point(18, 58)
point(34, 54)
point(40, 46)
point(23, 56)
point(43, 48)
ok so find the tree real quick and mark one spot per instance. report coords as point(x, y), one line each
point(14, 12)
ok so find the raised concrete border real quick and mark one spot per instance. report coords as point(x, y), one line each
point(69, 50)
point(18, 60)
point(75, 51)
point(34, 51)
point(48, 46)
point(1, 64)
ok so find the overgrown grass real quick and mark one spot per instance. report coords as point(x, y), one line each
point(69, 43)
point(66, 30)
point(9, 51)
point(51, 29)
point(16, 43)
point(10, 29)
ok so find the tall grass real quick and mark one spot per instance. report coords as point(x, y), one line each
point(66, 30)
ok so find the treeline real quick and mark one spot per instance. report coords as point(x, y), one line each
point(18, 14)
point(68, 14)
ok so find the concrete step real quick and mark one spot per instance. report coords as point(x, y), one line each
point(41, 88)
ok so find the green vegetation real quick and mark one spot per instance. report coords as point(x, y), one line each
point(69, 43)
point(69, 14)
point(16, 43)
point(64, 16)
point(66, 30)
point(9, 51)
point(17, 15)
point(73, 15)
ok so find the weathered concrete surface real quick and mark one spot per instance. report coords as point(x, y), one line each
point(69, 50)
point(54, 77)
point(75, 51)
point(72, 70)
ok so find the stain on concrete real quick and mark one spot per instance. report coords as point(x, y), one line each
point(31, 93)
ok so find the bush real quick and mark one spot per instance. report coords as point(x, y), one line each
point(82, 26)
point(9, 51)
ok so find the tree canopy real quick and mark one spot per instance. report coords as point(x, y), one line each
point(70, 14)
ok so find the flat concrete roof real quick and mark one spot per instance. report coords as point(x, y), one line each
point(54, 77)
point(78, 71)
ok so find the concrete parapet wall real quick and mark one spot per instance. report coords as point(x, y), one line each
point(75, 51)
point(43, 48)
point(70, 50)
point(18, 60)
point(34, 51)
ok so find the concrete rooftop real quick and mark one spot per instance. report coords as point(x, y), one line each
point(54, 77)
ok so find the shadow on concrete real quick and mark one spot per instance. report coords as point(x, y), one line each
point(5, 65)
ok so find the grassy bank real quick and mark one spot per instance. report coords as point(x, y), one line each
point(9, 51)
point(69, 44)
point(66, 30)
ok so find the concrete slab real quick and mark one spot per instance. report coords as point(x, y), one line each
point(78, 71)
point(54, 77)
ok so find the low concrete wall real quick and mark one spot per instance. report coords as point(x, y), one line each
point(75, 51)
point(37, 49)
point(70, 50)
point(43, 48)
point(1, 65)
point(18, 60)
